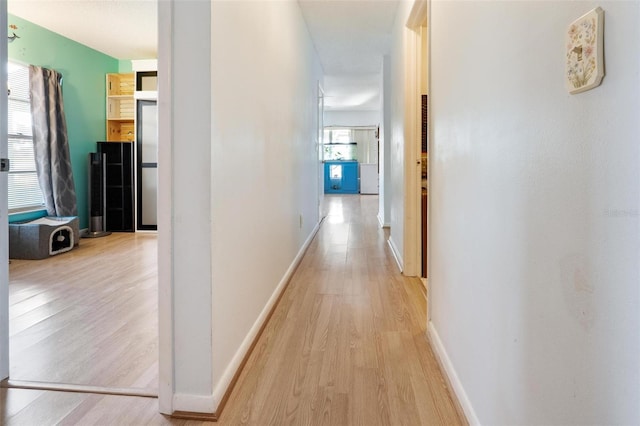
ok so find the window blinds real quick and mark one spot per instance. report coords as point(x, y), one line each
point(24, 190)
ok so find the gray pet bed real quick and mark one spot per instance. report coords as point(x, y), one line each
point(44, 237)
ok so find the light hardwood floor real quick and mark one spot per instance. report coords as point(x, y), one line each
point(88, 316)
point(346, 345)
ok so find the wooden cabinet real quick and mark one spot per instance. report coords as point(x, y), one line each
point(120, 107)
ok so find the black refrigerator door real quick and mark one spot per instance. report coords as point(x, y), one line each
point(147, 167)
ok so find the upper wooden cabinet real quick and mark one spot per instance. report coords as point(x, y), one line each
point(120, 107)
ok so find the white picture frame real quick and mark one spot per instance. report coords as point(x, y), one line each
point(585, 52)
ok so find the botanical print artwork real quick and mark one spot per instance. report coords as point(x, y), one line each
point(584, 52)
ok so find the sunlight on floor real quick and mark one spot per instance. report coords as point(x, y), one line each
point(336, 210)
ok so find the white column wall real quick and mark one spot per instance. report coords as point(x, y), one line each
point(238, 171)
point(184, 207)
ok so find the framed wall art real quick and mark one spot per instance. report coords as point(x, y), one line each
point(585, 55)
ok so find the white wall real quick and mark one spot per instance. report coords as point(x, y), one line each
point(534, 220)
point(265, 165)
point(351, 118)
point(238, 170)
point(395, 130)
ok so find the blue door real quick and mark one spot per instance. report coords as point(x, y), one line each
point(341, 177)
point(350, 178)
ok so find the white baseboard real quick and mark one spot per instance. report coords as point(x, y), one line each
point(193, 403)
point(381, 222)
point(449, 370)
point(67, 387)
point(396, 253)
point(223, 384)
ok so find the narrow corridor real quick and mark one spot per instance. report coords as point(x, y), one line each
point(346, 345)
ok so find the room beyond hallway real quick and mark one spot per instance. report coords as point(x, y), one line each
point(89, 316)
point(346, 344)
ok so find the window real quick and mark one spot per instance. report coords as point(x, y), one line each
point(335, 171)
point(339, 144)
point(336, 135)
point(24, 190)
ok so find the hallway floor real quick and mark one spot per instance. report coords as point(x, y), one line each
point(346, 345)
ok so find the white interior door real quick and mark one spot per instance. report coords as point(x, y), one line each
point(4, 226)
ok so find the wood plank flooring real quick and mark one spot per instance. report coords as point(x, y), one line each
point(88, 316)
point(346, 345)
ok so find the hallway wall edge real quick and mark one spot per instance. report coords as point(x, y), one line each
point(459, 395)
point(396, 253)
point(223, 388)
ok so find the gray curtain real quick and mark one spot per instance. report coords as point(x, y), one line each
point(51, 144)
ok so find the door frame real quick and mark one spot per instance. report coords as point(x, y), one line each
point(4, 218)
point(320, 150)
point(165, 243)
point(165, 208)
point(412, 142)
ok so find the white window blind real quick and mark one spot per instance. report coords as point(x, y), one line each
point(334, 135)
point(24, 190)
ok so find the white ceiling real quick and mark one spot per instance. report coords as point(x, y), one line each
point(124, 29)
point(352, 91)
point(350, 36)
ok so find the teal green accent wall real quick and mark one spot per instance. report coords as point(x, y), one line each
point(125, 66)
point(27, 216)
point(83, 70)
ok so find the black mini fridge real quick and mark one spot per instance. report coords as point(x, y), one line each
point(118, 186)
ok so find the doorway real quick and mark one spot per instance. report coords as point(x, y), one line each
point(78, 317)
point(416, 158)
point(4, 220)
point(424, 149)
point(319, 150)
